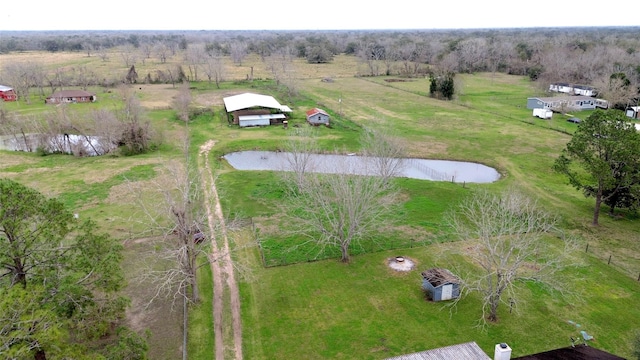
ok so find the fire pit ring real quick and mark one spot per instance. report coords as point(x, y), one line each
point(401, 263)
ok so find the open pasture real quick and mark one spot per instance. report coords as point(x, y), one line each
point(364, 310)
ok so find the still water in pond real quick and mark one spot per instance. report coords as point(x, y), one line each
point(435, 170)
point(79, 145)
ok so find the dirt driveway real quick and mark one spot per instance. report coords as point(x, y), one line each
point(224, 279)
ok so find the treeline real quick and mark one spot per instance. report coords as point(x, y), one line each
point(606, 58)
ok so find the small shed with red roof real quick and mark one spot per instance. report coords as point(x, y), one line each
point(317, 116)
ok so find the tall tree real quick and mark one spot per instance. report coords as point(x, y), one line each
point(182, 101)
point(70, 273)
point(506, 233)
point(238, 51)
point(300, 147)
point(442, 86)
point(132, 75)
point(213, 67)
point(21, 77)
point(137, 133)
point(601, 158)
point(174, 211)
point(384, 152)
point(340, 208)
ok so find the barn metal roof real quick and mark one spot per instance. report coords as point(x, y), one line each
point(249, 100)
point(465, 351)
point(5, 88)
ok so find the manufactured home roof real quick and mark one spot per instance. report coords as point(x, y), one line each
point(465, 351)
point(563, 98)
point(249, 100)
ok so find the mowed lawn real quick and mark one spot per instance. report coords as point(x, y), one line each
point(363, 310)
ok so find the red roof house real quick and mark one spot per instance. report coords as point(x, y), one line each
point(7, 93)
point(70, 96)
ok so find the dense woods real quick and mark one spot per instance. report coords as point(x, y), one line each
point(606, 58)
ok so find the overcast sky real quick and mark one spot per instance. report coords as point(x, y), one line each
point(310, 15)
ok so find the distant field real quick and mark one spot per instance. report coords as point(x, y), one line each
point(115, 66)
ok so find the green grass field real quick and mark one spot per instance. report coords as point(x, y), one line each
point(329, 310)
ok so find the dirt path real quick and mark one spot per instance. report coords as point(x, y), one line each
point(221, 264)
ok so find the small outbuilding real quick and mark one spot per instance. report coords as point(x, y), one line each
point(317, 116)
point(7, 93)
point(633, 112)
point(440, 284)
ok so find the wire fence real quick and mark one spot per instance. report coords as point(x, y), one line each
point(283, 252)
point(624, 263)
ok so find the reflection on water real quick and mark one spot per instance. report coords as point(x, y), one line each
point(78, 145)
point(435, 170)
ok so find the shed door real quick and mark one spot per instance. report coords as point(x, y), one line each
point(447, 291)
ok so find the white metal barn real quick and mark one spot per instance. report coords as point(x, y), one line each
point(250, 109)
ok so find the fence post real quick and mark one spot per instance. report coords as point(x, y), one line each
point(609, 262)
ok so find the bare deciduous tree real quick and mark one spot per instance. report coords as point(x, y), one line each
point(107, 127)
point(146, 49)
point(137, 133)
point(238, 51)
point(195, 56)
point(510, 238)
point(173, 210)
point(17, 128)
point(102, 53)
point(384, 152)
point(213, 68)
point(162, 51)
point(300, 147)
point(129, 55)
point(85, 77)
point(182, 101)
point(20, 76)
point(341, 208)
point(372, 54)
point(618, 91)
point(278, 63)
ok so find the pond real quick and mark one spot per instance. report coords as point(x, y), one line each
point(423, 169)
point(78, 145)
